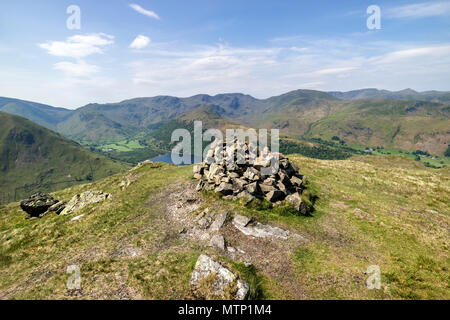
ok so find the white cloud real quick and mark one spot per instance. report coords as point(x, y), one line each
point(408, 54)
point(140, 42)
point(79, 69)
point(267, 71)
point(420, 10)
point(205, 68)
point(143, 11)
point(170, 68)
point(78, 46)
point(334, 70)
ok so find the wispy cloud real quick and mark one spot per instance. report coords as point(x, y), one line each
point(334, 70)
point(140, 42)
point(78, 69)
point(291, 63)
point(273, 70)
point(420, 10)
point(78, 46)
point(143, 11)
point(413, 53)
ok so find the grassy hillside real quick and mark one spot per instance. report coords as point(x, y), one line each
point(293, 112)
point(87, 127)
point(44, 115)
point(368, 118)
point(378, 210)
point(407, 94)
point(155, 139)
point(401, 124)
point(33, 158)
point(114, 122)
point(407, 125)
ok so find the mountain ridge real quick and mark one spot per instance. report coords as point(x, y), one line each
point(42, 114)
point(405, 94)
point(295, 113)
point(34, 158)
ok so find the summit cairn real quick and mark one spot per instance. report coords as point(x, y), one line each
point(238, 170)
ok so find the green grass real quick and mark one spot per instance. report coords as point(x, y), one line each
point(123, 146)
point(395, 124)
point(371, 210)
point(53, 243)
point(37, 159)
point(435, 160)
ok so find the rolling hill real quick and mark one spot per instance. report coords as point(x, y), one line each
point(405, 120)
point(33, 158)
point(134, 117)
point(42, 114)
point(407, 125)
point(209, 115)
point(406, 94)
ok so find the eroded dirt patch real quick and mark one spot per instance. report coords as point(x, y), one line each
point(270, 254)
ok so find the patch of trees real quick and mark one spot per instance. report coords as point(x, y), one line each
point(135, 156)
point(421, 153)
point(429, 165)
point(319, 151)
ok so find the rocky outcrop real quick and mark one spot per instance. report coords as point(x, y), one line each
point(218, 241)
point(228, 171)
point(210, 280)
point(140, 164)
point(38, 204)
point(259, 230)
point(84, 199)
point(297, 202)
point(57, 207)
point(219, 221)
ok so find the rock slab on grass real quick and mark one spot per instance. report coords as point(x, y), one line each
point(84, 199)
point(219, 221)
point(259, 230)
point(58, 207)
point(218, 241)
point(210, 280)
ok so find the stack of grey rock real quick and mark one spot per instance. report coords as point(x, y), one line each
point(248, 176)
point(41, 204)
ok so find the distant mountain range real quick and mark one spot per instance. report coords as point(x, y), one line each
point(407, 94)
point(33, 158)
point(370, 117)
point(42, 114)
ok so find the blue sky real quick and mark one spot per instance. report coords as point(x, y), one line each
point(137, 48)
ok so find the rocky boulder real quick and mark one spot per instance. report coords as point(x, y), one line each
point(37, 204)
point(299, 204)
point(210, 280)
point(259, 230)
point(57, 207)
point(84, 199)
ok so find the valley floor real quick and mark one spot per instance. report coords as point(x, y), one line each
point(384, 211)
